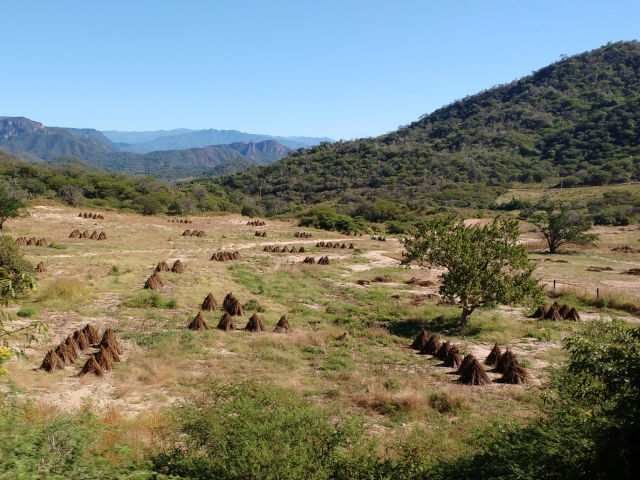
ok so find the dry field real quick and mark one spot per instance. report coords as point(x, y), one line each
point(349, 343)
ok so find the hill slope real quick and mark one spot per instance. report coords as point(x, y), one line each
point(575, 122)
point(36, 143)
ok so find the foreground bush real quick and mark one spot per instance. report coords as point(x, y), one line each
point(249, 431)
point(34, 445)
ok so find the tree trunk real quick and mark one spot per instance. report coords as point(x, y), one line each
point(466, 312)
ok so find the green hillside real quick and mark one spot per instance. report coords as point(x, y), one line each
point(571, 123)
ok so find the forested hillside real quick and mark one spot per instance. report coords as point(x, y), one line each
point(574, 122)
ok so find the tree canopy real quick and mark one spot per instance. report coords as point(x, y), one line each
point(559, 226)
point(485, 264)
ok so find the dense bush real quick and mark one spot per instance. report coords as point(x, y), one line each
point(250, 431)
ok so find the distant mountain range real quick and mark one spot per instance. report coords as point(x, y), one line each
point(174, 154)
point(182, 138)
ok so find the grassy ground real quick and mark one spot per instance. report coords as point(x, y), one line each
point(348, 346)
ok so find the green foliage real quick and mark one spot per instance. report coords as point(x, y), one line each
point(9, 206)
point(572, 123)
point(250, 431)
point(16, 273)
point(485, 264)
point(560, 226)
point(328, 219)
point(27, 312)
point(591, 426)
point(253, 305)
point(61, 447)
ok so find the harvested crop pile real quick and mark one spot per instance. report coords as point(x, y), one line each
point(625, 249)
point(209, 303)
point(232, 306)
point(420, 341)
point(104, 359)
point(431, 346)
point(177, 267)
point(85, 234)
point(599, 269)
point(40, 267)
point(109, 340)
point(494, 356)
point(42, 243)
point(632, 271)
point(254, 324)
point(198, 323)
point(22, 241)
point(573, 315)
point(92, 366)
point(226, 323)
point(514, 373)
point(102, 236)
point(363, 282)
point(51, 361)
point(309, 260)
point(323, 261)
point(154, 282)
point(162, 267)
point(94, 235)
point(225, 256)
point(541, 312)
point(283, 325)
point(302, 235)
point(418, 282)
point(473, 373)
point(65, 354)
point(443, 351)
point(186, 233)
point(506, 358)
point(91, 333)
point(81, 339)
point(74, 234)
point(381, 279)
point(453, 358)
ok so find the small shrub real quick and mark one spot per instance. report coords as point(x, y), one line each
point(443, 402)
point(64, 289)
point(253, 305)
point(27, 312)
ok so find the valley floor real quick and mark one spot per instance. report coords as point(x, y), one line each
point(348, 348)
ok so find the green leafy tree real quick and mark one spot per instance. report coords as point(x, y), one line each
point(16, 277)
point(9, 207)
point(485, 264)
point(559, 227)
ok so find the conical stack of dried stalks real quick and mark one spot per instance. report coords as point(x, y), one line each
point(282, 325)
point(74, 234)
point(507, 358)
point(92, 366)
point(51, 361)
point(109, 340)
point(514, 373)
point(92, 333)
point(178, 267)
point(81, 339)
point(254, 324)
point(573, 315)
point(162, 267)
point(453, 359)
point(443, 351)
point(420, 340)
point(102, 236)
point(41, 268)
point(154, 282)
point(474, 374)
point(198, 323)
point(209, 303)
point(65, 354)
point(431, 346)
point(94, 235)
point(104, 358)
point(226, 323)
point(494, 356)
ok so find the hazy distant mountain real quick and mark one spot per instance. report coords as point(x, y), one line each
point(180, 139)
point(36, 143)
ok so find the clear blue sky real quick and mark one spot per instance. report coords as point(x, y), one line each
point(342, 69)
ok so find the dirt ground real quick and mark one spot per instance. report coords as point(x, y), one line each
point(163, 361)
